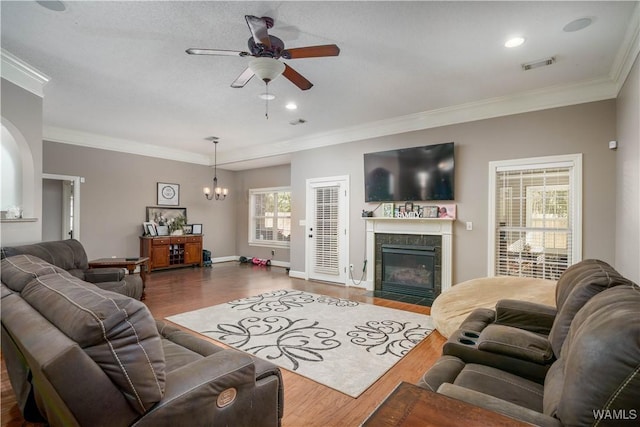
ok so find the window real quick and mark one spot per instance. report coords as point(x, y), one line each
point(535, 216)
point(270, 216)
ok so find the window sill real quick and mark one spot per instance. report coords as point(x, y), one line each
point(271, 244)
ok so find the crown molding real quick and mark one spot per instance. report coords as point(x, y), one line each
point(628, 51)
point(551, 97)
point(86, 139)
point(22, 74)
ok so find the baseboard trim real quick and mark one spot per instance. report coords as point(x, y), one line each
point(224, 259)
point(298, 274)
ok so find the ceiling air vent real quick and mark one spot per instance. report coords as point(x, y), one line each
point(537, 64)
point(297, 122)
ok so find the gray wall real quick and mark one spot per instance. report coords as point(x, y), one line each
point(22, 113)
point(118, 187)
point(51, 209)
point(277, 176)
point(584, 128)
point(628, 177)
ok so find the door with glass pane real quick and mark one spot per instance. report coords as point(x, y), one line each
point(327, 229)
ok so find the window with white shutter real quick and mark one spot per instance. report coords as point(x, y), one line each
point(535, 215)
point(326, 230)
point(270, 216)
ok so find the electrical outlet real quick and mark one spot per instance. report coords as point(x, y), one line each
point(350, 267)
point(469, 225)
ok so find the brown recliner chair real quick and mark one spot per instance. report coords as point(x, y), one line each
point(78, 355)
point(594, 381)
point(71, 256)
point(523, 337)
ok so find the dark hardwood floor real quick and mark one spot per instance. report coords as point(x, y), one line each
point(306, 402)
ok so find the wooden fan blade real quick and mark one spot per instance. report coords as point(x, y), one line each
point(219, 52)
point(243, 78)
point(311, 51)
point(296, 78)
point(258, 27)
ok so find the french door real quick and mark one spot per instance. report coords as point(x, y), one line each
point(327, 247)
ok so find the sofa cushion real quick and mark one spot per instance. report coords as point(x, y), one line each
point(116, 331)
point(19, 270)
point(577, 285)
point(598, 367)
point(66, 254)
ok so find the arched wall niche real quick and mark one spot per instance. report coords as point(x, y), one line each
point(25, 163)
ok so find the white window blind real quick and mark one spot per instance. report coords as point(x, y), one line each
point(270, 216)
point(534, 227)
point(326, 230)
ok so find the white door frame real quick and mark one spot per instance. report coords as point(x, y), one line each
point(76, 198)
point(342, 180)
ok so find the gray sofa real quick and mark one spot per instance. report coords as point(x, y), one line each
point(78, 355)
point(71, 256)
point(523, 337)
point(591, 357)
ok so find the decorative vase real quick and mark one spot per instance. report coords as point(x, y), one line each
point(177, 232)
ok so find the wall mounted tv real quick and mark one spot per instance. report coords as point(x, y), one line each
point(410, 174)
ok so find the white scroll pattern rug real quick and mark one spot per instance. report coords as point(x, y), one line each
point(345, 345)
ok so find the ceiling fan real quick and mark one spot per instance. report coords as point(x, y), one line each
point(267, 50)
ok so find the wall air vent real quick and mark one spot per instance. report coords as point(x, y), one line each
point(537, 64)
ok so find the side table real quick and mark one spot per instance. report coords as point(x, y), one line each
point(410, 405)
point(129, 263)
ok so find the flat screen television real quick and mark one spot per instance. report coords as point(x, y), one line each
point(410, 174)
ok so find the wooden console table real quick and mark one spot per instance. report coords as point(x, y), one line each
point(129, 263)
point(172, 251)
point(410, 405)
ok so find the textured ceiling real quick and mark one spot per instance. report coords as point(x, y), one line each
point(119, 74)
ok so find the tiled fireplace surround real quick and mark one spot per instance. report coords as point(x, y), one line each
point(410, 231)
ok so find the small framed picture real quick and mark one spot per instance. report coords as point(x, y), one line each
point(149, 229)
point(408, 207)
point(162, 230)
point(168, 194)
point(187, 229)
point(387, 210)
point(196, 228)
point(430, 212)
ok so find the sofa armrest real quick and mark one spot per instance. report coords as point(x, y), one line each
point(219, 389)
point(100, 275)
point(525, 315)
point(495, 404)
point(517, 343)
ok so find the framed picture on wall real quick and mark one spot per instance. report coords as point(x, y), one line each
point(168, 194)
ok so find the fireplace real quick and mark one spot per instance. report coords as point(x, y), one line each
point(409, 270)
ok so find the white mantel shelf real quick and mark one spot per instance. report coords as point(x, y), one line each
point(422, 226)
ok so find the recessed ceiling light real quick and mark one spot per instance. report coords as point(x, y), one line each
point(267, 96)
point(514, 42)
point(577, 25)
point(291, 106)
point(56, 6)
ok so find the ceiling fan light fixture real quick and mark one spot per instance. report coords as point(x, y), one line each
point(266, 69)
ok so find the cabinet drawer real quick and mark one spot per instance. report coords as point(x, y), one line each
point(194, 239)
point(161, 241)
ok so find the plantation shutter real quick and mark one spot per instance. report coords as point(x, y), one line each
point(326, 230)
point(534, 211)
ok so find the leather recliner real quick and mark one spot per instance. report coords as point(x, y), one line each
point(523, 337)
point(594, 381)
point(71, 256)
point(78, 355)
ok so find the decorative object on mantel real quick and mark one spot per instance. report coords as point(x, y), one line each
point(218, 192)
point(168, 194)
point(447, 211)
point(13, 212)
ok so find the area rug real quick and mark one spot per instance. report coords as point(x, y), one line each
point(343, 344)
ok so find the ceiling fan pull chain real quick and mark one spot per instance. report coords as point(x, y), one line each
point(266, 101)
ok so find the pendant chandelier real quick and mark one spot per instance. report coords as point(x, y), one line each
point(219, 193)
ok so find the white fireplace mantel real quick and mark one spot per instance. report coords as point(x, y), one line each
point(421, 226)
